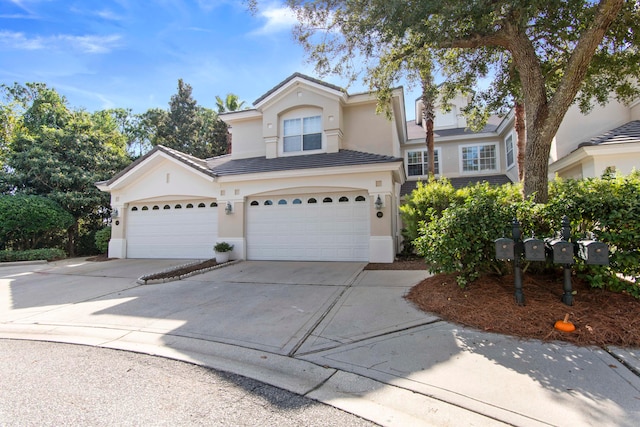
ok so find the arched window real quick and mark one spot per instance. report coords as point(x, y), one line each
point(156, 207)
point(297, 201)
point(133, 209)
point(166, 207)
point(282, 202)
point(213, 205)
point(178, 206)
point(327, 200)
point(360, 199)
point(343, 199)
point(145, 208)
point(312, 200)
point(190, 206)
point(201, 205)
point(268, 203)
point(255, 203)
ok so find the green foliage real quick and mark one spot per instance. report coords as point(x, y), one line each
point(459, 237)
point(102, 238)
point(28, 220)
point(230, 103)
point(188, 127)
point(61, 154)
point(32, 255)
point(424, 204)
point(223, 247)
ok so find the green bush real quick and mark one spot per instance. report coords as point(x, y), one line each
point(460, 237)
point(29, 221)
point(102, 239)
point(32, 255)
point(461, 240)
point(424, 204)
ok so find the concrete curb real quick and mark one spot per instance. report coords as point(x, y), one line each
point(14, 263)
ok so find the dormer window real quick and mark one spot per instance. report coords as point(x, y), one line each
point(302, 134)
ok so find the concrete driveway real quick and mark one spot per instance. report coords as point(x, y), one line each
point(329, 331)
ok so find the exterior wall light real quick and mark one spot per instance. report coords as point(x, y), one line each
point(378, 203)
point(228, 209)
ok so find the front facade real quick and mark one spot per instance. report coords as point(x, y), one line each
point(316, 175)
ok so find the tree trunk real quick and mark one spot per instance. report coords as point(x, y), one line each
point(72, 232)
point(521, 137)
point(431, 166)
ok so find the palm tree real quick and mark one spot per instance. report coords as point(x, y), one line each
point(230, 103)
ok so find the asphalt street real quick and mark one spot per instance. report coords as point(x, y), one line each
point(51, 384)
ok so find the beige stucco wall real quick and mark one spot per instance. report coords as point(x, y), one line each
point(364, 130)
point(246, 139)
point(577, 127)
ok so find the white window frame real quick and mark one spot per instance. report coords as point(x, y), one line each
point(301, 115)
point(425, 166)
point(513, 150)
point(479, 146)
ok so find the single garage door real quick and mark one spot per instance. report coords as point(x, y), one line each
point(309, 227)
point(177, 229)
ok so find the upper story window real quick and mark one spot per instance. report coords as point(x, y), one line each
point(418, 162)
point(302, 134)
point(509, 151)
point(479, 158)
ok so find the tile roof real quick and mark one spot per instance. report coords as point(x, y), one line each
point(628, 132)
point(223, 166)
point(460, 182)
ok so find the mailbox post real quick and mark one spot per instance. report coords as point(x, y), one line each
point(567, 297)
point(511, 250)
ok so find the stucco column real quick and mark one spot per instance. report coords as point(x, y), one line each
point(231, 226)
point(381, 241)
point(118, 242)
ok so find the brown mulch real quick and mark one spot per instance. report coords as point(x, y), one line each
point(602, 318)
point(179, 271)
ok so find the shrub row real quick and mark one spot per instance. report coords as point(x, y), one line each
point(454, 230)
point(32, 255)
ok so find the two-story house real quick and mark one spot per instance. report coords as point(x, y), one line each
point(316, 175)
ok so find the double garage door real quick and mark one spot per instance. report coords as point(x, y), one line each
point(177, 229)
point(309, 227)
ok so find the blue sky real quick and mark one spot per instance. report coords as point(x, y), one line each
point(130, 53)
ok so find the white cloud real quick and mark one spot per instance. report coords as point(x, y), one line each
point(277, 18)
point(85, 44)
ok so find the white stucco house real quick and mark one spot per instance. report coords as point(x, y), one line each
point(316, 175)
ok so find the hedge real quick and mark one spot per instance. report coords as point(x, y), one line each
point(32, 255)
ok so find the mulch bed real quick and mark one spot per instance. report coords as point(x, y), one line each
point(602, 318)
point(186, 269)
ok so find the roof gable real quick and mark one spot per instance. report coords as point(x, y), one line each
point(295, 79)
point(151, 158)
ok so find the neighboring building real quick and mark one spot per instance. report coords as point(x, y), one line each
point(316, 175)
point(608, 138)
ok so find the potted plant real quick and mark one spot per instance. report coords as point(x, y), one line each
point(222, 250)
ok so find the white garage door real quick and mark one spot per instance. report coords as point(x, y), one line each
point(310, 227)
point(178, 229)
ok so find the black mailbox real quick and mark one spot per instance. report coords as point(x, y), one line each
point(593, 252)
point(534, 249)
point(505, 249)
point(561, 251)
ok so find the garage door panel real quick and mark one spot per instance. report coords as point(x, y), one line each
point(336, 231)
point(172, 233)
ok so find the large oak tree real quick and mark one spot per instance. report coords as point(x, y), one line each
point(556, 52)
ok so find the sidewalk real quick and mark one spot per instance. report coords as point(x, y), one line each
point(331, 332)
